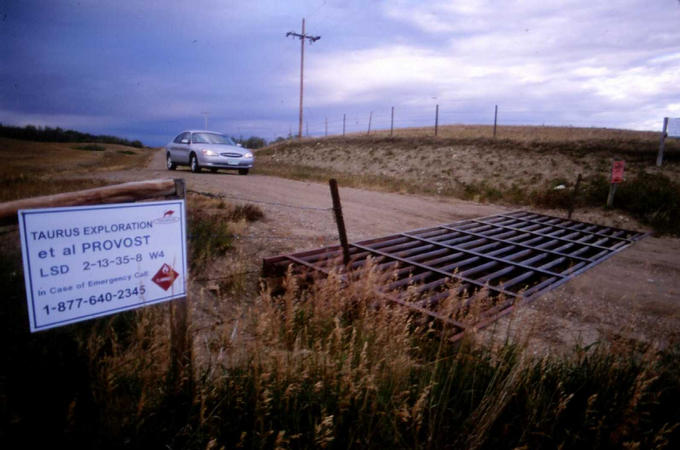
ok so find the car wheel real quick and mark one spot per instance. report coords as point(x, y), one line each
point(243, 171)
point(171, 165)
point(193, 162)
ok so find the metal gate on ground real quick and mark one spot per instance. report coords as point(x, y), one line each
point(493, 263)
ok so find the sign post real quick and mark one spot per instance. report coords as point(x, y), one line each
point(616, 178)
point(91, 261)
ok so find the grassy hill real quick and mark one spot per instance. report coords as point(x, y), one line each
point(41, 168)
point(522, 166)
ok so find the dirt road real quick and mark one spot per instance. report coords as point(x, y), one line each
point(635, 294)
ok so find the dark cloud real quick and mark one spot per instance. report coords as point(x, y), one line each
point(144, 70)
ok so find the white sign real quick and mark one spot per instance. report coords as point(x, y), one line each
point(673, 129)
point(91, 261)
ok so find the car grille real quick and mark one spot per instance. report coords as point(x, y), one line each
point(231, 155)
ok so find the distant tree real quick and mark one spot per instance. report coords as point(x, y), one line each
point(255, 142)
point(48, 134)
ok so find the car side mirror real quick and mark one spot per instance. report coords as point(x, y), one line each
point(184, 141)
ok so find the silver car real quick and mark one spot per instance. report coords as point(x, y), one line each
point(201, 149)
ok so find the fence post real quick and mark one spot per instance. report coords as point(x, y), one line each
point(436, 120)
point(659, 157)
point(370, 117)
point(573, 196)
point(610, 196)
point(180, 376)
point(392, 123)
point(339, 220)
point(343, 125)
point(495, 120)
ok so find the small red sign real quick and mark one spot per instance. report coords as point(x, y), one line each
point(165, 276)
point(617, 171)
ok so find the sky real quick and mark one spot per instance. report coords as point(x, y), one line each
point(149, 69)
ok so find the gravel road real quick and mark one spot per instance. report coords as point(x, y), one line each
point(635, 294)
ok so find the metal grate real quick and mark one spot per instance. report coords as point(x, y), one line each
point(489, 263)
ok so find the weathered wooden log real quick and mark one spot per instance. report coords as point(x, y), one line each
point(118, 193)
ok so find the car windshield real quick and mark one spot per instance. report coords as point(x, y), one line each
point(211, 138)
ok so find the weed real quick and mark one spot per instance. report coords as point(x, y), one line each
point(209, 237)
point(654, 199)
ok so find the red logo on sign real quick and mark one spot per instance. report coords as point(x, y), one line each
point(617, 171)
point(165, 277)
point(168, 213)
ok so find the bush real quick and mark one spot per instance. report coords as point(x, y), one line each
point(652, 198)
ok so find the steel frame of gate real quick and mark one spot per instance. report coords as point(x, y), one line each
point(509, 258)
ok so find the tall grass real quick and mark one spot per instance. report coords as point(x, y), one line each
point(327, 363)
point(335, 367)
point(330, 364)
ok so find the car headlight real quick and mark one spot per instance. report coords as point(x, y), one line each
point(207, 152)
point(248, 155)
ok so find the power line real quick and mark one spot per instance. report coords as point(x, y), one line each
point(302, 38)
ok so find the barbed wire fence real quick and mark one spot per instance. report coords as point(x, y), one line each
point(390, 119)
point(264, 237)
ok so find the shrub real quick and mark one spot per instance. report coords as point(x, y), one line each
point(652, 198)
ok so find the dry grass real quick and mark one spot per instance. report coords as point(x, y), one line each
point(519, 170)
point(325, 364)
point(521, 133)
point(42, 168)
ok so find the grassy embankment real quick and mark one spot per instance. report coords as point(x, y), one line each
point(521, 167)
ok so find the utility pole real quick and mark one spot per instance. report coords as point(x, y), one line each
point(302, 38)
point(205, 120)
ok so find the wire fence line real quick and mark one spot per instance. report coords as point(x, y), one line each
point(234, 197)
point(268, 236)
point(319, 123)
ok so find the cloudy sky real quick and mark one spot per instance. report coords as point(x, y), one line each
point(148, 69)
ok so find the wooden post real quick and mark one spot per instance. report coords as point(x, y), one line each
point(326, 133)
point(307, 126)
point(436, 120)
point(180, 376)
point(302, 76)
point(610, 197)
point(339, 220)
point(659, 157)
point(392, 123)
point(370, 117)
point(343, 124)
point(495, 121)
point(573, 196)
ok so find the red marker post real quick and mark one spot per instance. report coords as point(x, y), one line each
point(616, 178)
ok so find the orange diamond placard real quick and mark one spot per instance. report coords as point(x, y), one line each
point(165, 276)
